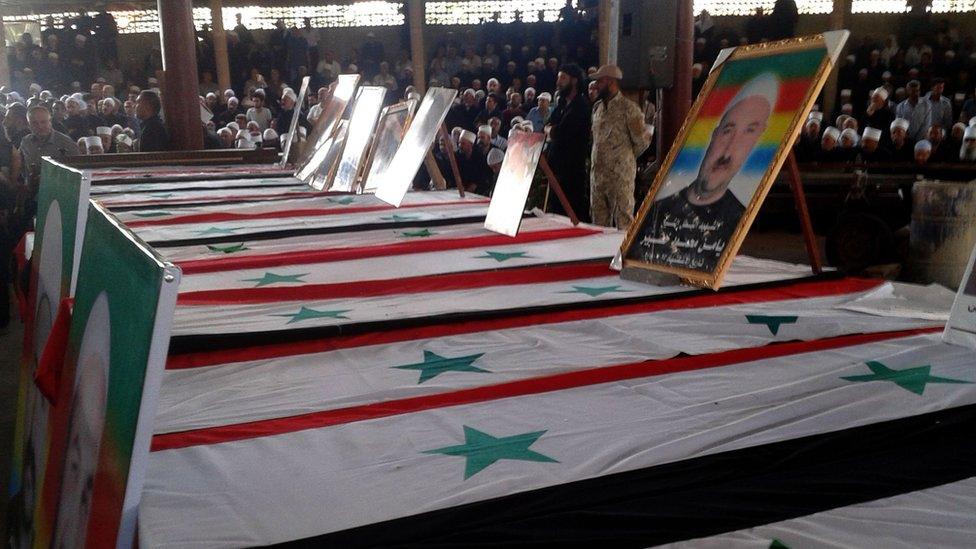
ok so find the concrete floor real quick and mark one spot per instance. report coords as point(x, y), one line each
point(770, 244)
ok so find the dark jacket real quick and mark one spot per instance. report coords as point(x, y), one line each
point(154, 136)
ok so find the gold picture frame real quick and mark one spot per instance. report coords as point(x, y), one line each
point(830, 44)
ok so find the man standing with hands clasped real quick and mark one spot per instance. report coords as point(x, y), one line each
point(619, 137)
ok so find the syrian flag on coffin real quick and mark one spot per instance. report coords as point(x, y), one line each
point(661, 451)
point(224, 387)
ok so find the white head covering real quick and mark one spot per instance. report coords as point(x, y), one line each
point(529, 89)
point(103, 130)
point(545, 95)
point(846, 92)
point(517, 120)
point(495, 157)
point(234, 127)
point(849, 133)
point(970, 133)
point(873, 134)
point(765, 85)
point(831, 132)
point(269, 135)
point(816, 115)
point(923, 145)
point(468, 136)
point(486, 129)
point(899, 123)
point(882, 91)
point(93, 141)
point(289, 93)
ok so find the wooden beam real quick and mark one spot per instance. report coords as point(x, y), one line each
point(417, 52)
point(181, 92)
point(220, 45)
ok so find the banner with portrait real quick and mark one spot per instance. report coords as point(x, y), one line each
point(727, 155)
point(103, 405)
point(62, 211)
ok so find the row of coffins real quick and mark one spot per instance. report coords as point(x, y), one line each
point(256, 358)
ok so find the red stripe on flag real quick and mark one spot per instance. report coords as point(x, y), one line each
point(791, 94)
point(537, 385)
point(215, 217)
point(729, 296)
point(212, 200)
point(400, 286)
point(233, 263)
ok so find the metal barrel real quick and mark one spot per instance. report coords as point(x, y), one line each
point(943, 231)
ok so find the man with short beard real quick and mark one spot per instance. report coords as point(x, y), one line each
point(569, 140)
point(619, 137)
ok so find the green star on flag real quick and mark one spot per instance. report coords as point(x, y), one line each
point(306, 314)
point(594, 291)
point(163, 195)
point(435, 365)
point(228, 249)
point(911, 379)
point(398, 217)
point(215, 230)
point(771, 322)
point(151, 214)
point(777, 544)
point(422, 233)
point(503, 256)
point(272, 278)
point(345, 201)
point(480, 450)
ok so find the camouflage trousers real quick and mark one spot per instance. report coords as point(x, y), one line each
point(612, 203)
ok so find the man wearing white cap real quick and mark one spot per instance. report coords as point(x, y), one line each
point(289, 101)
point(94, 144)
point(967, 151)
point(104, 133)
point(539, 115)
point(901, 146)
point(871, 149)
point(808, 145)
point(475, 174)
point(707, 211)
point(484, 139)
point(77, 122)
point(923, 151)
point(618, 139)
point(829, 150)
point(878, 115)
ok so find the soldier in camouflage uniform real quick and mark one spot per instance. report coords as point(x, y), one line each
point(619, 137)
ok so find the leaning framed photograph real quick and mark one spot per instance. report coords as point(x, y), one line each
point(727, 154)
point(393, 124)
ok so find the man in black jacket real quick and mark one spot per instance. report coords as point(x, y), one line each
point(154, 136)
point(569, 136)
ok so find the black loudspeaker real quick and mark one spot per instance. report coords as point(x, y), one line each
point(646, 43)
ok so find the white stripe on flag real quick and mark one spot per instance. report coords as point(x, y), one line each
point(296, 485)
point(360, 239)
point(256, 317)
point(304, 221)
point(283, 387)
point(337, 202)
point(410, 265)
point(153, 199)
point(176, 186)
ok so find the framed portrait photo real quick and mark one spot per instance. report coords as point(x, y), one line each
point(727, 154)
point(393, 123)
